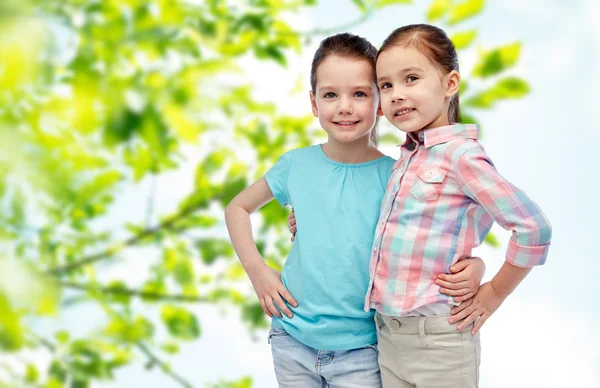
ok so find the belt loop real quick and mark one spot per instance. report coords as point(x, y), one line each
point(422, 334)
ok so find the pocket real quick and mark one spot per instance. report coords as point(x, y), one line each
point(451, 340)
point(372, 346)
point(276, 332)
point(429, 182)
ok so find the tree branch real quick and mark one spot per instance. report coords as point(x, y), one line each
point(108, 253)
point(133, 292)
point(163, 365)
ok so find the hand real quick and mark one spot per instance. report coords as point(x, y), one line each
point(479, 308)
point(465, 279)
point(269, 288)
point(292, 224)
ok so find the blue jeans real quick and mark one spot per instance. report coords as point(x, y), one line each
point(300, 366)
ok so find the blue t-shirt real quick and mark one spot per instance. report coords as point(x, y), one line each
point(327, 271)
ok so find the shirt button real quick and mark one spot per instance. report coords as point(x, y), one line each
point(411, 146)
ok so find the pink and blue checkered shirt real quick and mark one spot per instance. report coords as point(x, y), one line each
point(440, 202)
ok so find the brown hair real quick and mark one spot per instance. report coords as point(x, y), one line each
point(345, 45)
point(436, 46)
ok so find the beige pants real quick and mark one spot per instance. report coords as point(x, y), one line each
point(426, 352)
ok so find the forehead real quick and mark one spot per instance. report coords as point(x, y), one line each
point(397, 58)
point(335, 70)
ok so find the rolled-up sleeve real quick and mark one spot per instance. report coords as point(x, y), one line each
point(508, 206)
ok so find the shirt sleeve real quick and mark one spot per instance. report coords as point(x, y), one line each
point(508, 206)
point(277, 178)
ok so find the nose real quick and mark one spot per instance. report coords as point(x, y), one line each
point(345, 106)
point(398, 96)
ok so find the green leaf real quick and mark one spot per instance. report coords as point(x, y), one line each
point(466, 118)
point(437, 9)
point(170, 348)
point(497, 60)
point(465, 10)
point(184, 271)
point(180, 323)
point(211, 249)
point(464, 86)
point(507, 88)
point(236, 272)
point(491, 239)
point(463, 39)
point(385, 3)
point(62, 337)
point(31, 374)
point(390, 139)
point(119, 296)
point(254, 315)
point(361, 4)
point(130, 332)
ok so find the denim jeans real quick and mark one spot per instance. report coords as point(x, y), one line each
point(300, 366)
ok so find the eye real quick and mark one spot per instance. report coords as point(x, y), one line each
point(385, 85)
point(411, 78)
point(330, 95)
point(360, 94)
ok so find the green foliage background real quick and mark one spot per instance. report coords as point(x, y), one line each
point(98, 96)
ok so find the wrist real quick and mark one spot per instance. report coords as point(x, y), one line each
point(255, 267)
point(498, 290)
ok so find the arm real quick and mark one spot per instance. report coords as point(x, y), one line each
point(265, 280)
point(513, 210)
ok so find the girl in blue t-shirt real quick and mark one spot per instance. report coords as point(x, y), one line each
point(324, 337)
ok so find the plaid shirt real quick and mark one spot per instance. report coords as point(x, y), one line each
point(441, 200)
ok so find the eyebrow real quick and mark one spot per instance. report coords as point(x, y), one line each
point(407, 70)
point(354, 87)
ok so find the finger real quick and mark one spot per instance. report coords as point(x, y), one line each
point(282, 306)
point(292, 221)
point(459, 277)
point(482, 319)
point(461, 314)
point(451, 285)
point(293, 229)
point(462, 291)
point(264, 307)
point(293, 237)
point(469, 319)
point(272, 308)
point(459, 266)
point(464, 297)
point(461, 306)
point(287, 296)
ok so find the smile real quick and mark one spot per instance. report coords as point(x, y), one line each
point(403, 112)
point(346, 123)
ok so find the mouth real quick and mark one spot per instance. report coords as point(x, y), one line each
point(346, 124)
point(402, 112)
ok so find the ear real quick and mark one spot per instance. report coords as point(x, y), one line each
point(452, 83)
point(313, 104)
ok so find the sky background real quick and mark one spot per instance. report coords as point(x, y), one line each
point(543, 335)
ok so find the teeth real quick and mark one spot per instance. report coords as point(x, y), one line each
point(347, 122)
point(403, 112)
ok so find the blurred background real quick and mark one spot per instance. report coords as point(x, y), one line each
point(126, 126)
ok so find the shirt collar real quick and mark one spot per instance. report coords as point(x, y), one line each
point(434, 136)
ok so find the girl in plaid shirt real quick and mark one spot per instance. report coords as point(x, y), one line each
point(440, 202)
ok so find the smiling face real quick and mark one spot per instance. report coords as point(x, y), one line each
point(414, 92)
point(345, 99)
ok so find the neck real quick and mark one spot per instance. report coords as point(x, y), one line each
point(358, 151)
